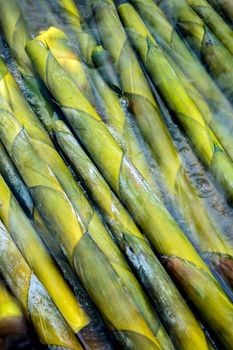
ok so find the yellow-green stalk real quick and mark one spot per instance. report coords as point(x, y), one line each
point(12, 321)
point(136, 194)
point(215, 55)
point(95, 329)
point(182, 106)
point(34, 252)
point(51, 328)
point(85, 40)
point(114, 115)
point(150, 123)
point(91, 53)
point(14, 181)
point(221, 121)
point(90, 50)
point(82, 235)
point(217, 250)
point(226, 6)
point(17, 36)
point(119, 123)
point(215, 22)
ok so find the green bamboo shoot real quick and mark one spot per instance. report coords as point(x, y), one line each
point(215, 22)
point(222, 113)
point(216, 56)
point(33, 250)
point(150, 123)
point(94, 335)
point(222, 262)
point(89, 49)
point(35, 301)
point(89, 220)
point(118, 121)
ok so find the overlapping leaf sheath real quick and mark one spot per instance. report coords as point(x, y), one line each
point(116, 119)
point(83, 237)
point(114, 115)
point(18, 188)
point(70, 13)
point(206, 144)
point(95, 331)
point(215, 55)
point(83, 41)
point(48, 322)
point(12, 321)
point(213, 21)
point(34, 252)
point(140, 97)
point(203, 107)
point(119, 123)
point(226, 6)
point(43, 144)
point(221, 121)
point(90, 50)
point(61, 49)
point(148, 211)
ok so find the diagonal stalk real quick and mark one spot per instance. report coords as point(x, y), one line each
point(221, 121)
point(51, 328)
point(34, 252)
point(215, 55)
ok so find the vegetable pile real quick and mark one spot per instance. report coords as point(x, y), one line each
point(116, 174)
